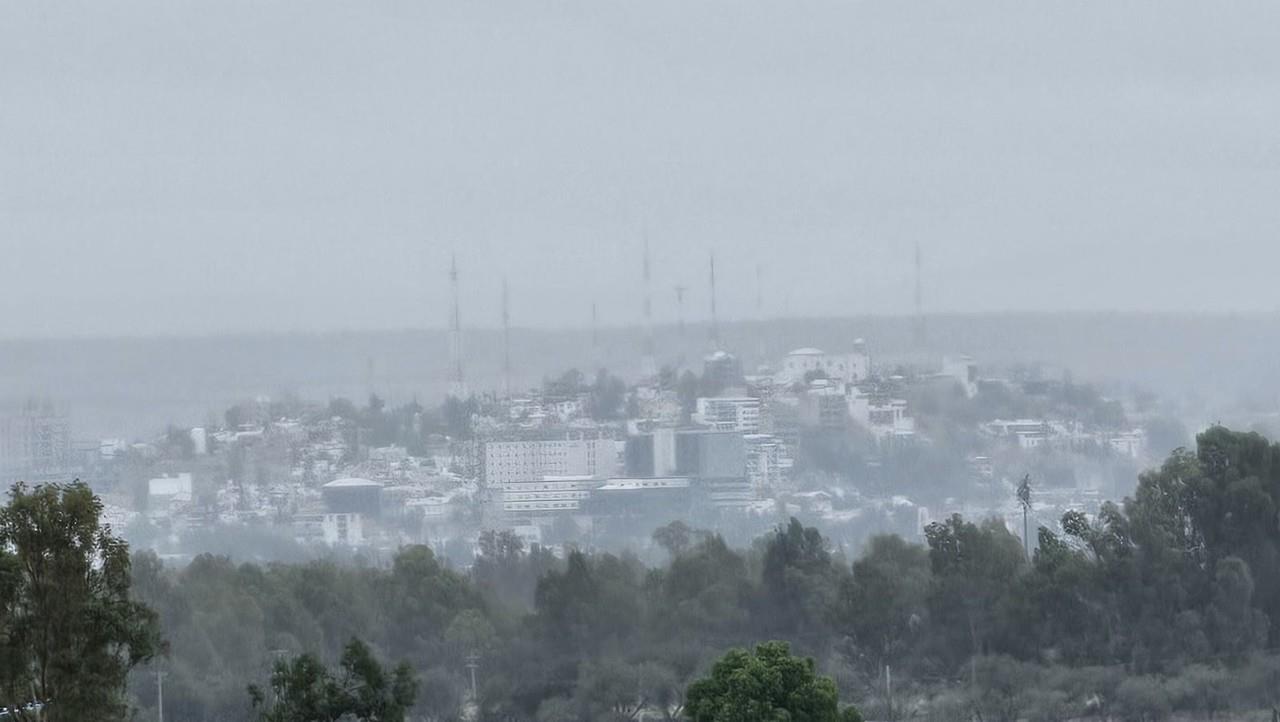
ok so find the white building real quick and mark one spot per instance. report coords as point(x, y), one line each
point(508, 462)
point(550, 494)
point(664, 452)
point(963, 370)
point(35, 444)
point(332, 529)
point(848, 367)
point(1129, 443)
point(768, 465)
point(1029, 433)
point(433, 508)
point(547, 475)
point(165, 491)
point(823, 405)
point(739, 413)
point(199, 441)
point(884, 418)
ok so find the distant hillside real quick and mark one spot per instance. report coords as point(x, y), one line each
point(137, 385)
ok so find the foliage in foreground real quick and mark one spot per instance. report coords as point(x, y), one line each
point(1173, 589)
point(69, 630)
point(767, 684)
point(304, 690)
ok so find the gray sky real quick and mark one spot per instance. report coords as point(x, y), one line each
point(191, 167)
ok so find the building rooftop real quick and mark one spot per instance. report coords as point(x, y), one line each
point(640, 484)
point(351, 483)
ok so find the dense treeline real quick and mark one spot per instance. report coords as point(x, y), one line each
point(1166, 602)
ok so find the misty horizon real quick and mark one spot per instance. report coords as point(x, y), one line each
point(261, 170)
point(600, 361)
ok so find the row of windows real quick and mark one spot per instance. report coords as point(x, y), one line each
point(518, 506)
point(542, 497)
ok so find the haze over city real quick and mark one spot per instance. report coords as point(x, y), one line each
point(181, 168)
point(598, 361)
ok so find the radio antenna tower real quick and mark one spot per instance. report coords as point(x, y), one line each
point(648, 367)
point(680, 308)
point(715, 322)
point(595, 336)
point(759, 293)
point(919, 321)
point(506, 341)
point(458, 385)
point(760, 311)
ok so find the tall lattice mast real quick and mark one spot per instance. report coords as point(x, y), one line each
point(506, 340)
point(458, 383)
point(648, 365)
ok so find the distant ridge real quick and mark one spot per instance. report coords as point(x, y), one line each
point(137, 385)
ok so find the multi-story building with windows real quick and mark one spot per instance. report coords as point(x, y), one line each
point(740, 414)
point(35, 444)
point(547, 475)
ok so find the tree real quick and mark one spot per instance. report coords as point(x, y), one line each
point(304, 690)
point(882, 605)
point(1236, 626)
point(180, 442)
point(1143, 699)
point(688, 388)
point(612, 688)
point(69, 629)
point(973, 567)
point(765, 685)
point(607, 396)
point(457, 415)
point(343, 408)
point(674, 537)
point(1000, 694)
point(570, 383)
point(798, 578)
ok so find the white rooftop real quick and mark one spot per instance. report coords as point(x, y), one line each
point(350, 483)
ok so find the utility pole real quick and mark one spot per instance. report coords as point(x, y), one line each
point(473, 663)
point(160, 675)
point(888, 687)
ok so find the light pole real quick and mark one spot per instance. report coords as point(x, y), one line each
point(473, 663)
point(160, 675)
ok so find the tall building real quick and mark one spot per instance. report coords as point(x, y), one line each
point(547, 475)
point(716, 462)
point(35, 444)
point(824, 405)
point(768, 464)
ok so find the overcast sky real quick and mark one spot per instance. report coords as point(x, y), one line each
point(193, 167)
